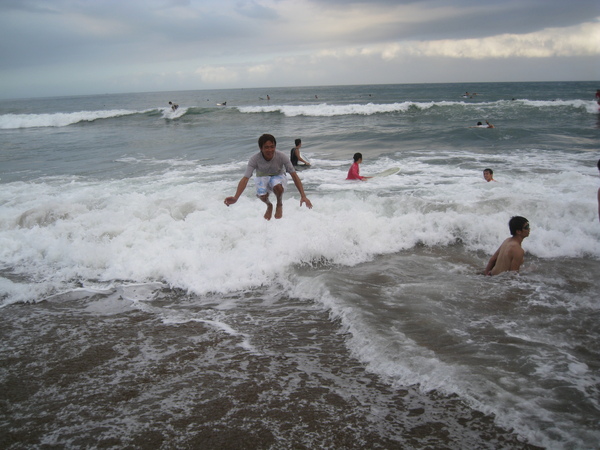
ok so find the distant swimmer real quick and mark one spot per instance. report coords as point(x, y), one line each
point(488, 175)
point(271, 166)
point(295, 154)
point(598, 95)
point(480, 125)
point(354, 172)
point(222, 104)
point(173, 106)
point(599, 194)
point(268, 97)
point(510, 255)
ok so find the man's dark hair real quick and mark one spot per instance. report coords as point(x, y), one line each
point(488, 170)
point(357, 156)
point(298, 142)
point(516, 223)
point(264, 138)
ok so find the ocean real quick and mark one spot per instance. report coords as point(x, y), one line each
point(138, 311)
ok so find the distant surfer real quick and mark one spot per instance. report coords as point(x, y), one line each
point(271, 166)
point(295, 154)
point(354, 172)
point(488, 175)
point(173, 106)
point(510, 255)
point(480, 125)
point(222, 104)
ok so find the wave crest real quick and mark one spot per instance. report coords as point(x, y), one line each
point(15, 121)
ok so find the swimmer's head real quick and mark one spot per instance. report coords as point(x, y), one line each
point(488, 174)
point(357, 157)
point(517, 223)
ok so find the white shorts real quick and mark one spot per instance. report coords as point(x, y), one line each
point(264, 185)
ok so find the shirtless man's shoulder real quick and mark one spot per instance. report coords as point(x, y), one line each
point(510, 256)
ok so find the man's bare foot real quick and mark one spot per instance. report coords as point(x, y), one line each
point(279, 211)
point(269, 212)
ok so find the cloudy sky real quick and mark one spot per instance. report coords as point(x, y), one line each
point(73, 47)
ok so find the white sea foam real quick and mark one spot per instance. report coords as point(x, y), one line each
point(13, 121)
point(589, 106)
point(168, 113)
point(326, 110)
point(176, 229)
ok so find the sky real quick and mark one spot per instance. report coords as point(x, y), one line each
point(82, 47)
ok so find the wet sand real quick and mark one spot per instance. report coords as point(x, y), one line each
point(95, 372)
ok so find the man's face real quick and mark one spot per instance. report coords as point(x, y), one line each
point(526, 230)
point(268, 150)
point(487, 176)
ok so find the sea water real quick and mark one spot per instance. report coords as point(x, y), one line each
point(138, 310)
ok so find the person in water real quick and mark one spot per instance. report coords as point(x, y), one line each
point(271, 166)
point(599, 193)
point(354, 172)
point(295, 154)
point(488, 175)
point(173, 106)
point(510, 255)
point(480, 125)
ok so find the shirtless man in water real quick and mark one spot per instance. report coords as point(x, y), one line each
point(270, 166)
point(509, 256)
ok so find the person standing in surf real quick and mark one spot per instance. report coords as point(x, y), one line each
point(295, 154)
point(599, 193)
point(271, 166)
point(510, 255)
point(354, 172)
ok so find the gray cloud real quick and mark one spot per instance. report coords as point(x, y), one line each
point(244, 42)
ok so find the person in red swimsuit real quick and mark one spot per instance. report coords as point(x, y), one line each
point(354, 172)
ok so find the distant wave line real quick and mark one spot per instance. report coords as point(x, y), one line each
point(60, 119)
point(13, 121)
point(327, 110)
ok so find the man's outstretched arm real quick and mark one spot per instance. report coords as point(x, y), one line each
point(298, 183)
point(241, 186)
